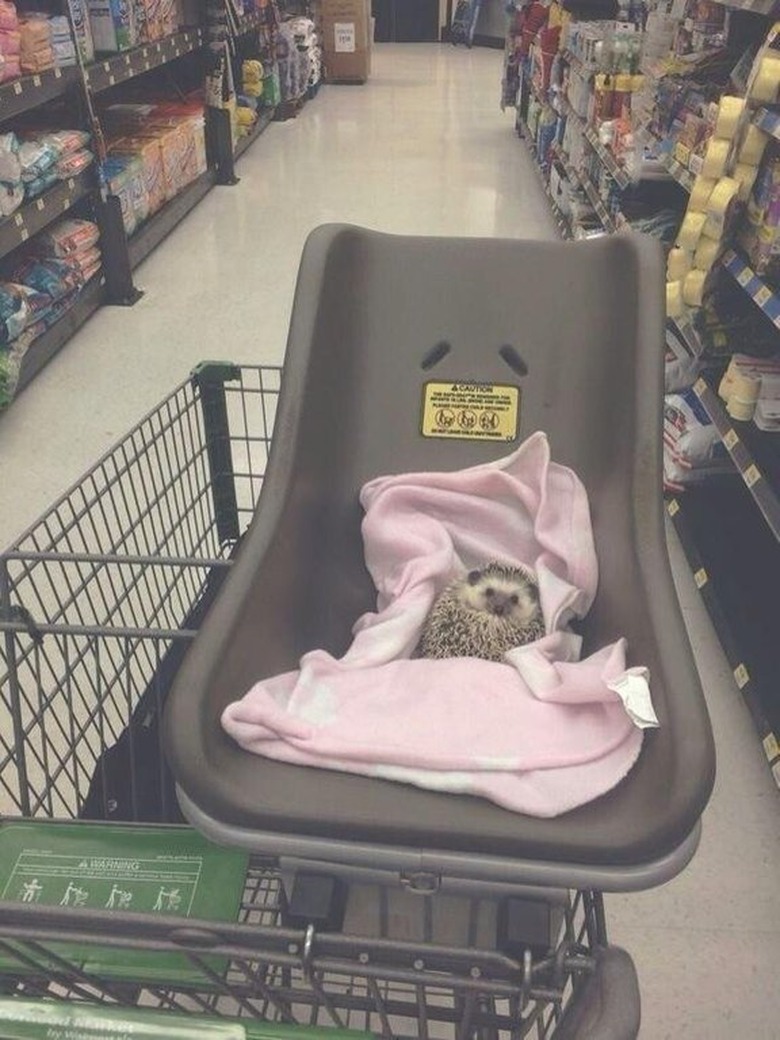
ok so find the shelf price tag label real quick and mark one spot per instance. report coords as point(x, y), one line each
point(673, 508)
point(17, 88)
point(470, 411)
point(763, 295)
point(771, 747)
point(752, 475)
point(730, 438)
point(744, 276)
point(701, 578)
point(58, 73)
point(699, 386)
point(742, 676)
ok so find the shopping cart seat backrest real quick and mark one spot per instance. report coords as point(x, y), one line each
point(578, 328)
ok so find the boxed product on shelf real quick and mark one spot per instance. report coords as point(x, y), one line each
point(113, 25)
point(346, 39)
point(147, 151)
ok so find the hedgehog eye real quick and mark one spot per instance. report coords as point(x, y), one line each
point(514, 598)
point(489, 592)
point(473, 577)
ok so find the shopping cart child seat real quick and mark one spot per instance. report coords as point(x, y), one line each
point(578, 328)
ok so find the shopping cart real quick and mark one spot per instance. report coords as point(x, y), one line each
point(99, 601)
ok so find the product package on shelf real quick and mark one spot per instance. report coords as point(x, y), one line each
point(750, 389)
point(155, 150)
point(10, 42)
point(39, 287)
point(33, 160)
point(79, 13)
point(693, 450)
point(113, 25)
point(36, 44)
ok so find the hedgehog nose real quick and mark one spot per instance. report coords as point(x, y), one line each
point(498, 609)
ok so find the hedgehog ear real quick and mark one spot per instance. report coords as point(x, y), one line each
point(473, 577)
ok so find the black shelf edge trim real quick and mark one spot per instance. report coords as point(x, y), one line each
point(675, 507)
point(38, 213)
point(107, 72)
point(758, 484)
point(20, 95)
point(561, 222)
point(43, 349)
point(156, 228)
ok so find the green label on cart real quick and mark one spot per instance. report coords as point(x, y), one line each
point(470, 411)
point(161, 871)
point(34, 1020)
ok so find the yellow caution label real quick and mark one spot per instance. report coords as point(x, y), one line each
point(471, 411)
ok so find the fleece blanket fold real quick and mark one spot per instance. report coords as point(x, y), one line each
point(539, 733)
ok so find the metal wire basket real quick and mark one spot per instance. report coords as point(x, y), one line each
point(99, 601)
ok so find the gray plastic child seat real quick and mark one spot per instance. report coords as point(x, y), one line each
point(587, 322)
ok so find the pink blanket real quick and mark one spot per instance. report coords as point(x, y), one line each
point(542, 732)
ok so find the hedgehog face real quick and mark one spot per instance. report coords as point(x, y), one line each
point(501, 592)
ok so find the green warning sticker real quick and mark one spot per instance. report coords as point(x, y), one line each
point(167, 871)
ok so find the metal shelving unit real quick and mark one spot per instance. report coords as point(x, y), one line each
point(755, 454)
point(561, 221)
point(758, 291)
point(158, 226)
point(38, 213)
point(590, 190)
point(739, 600)
point(43, 349)
point(107, 73)
point(20, 95)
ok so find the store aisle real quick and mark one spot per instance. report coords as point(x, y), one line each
point(423, 148)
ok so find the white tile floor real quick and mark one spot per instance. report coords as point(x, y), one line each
point(423, 148)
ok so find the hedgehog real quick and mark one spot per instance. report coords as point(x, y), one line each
point(488, 612)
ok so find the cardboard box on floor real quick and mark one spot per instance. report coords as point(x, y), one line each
point(346, 40)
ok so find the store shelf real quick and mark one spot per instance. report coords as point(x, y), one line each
point(249, 22)
point(561, 221)
point(684, 177)
point(755, 454)
point(757, 290)
point(20, 95)
point(573, 59)
point(149, 236)
point(736, 572)
point(35, 215)
point(768, 121)
point(102, 75)
point(690, 336)
point(43, 349)
point(590, 190)
point(608, 160)
point(264, 119)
